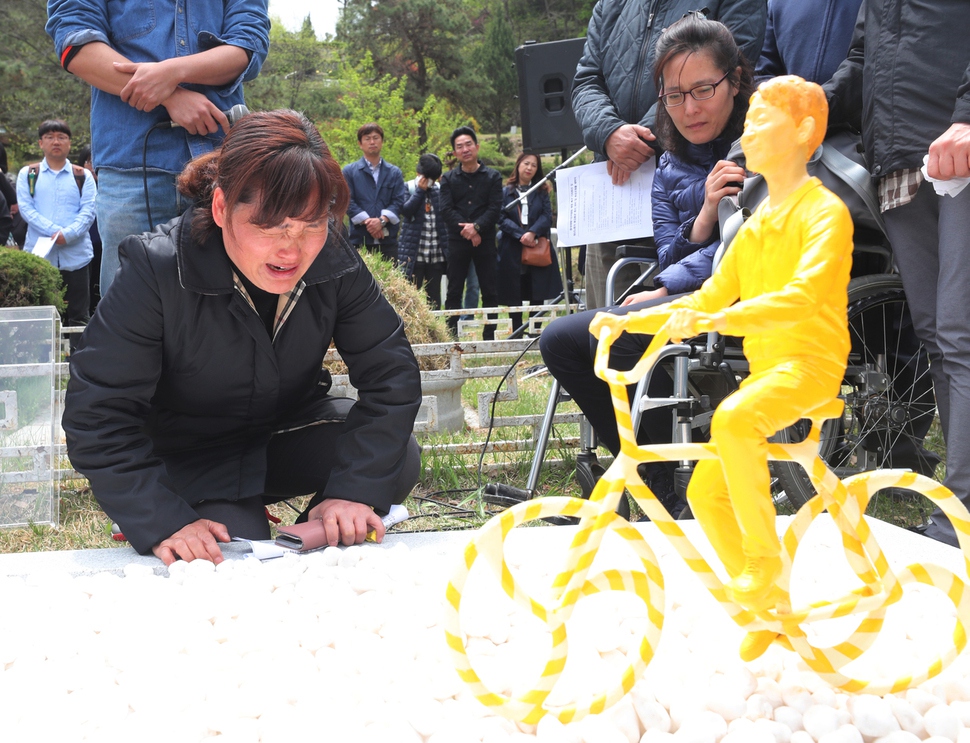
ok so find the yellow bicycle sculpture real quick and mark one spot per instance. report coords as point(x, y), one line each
point(845, 502)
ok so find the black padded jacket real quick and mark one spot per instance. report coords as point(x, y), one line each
point(905, 80)
point(176, 386)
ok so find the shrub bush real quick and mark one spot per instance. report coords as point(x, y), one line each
point(27, 280)
point(421, 325)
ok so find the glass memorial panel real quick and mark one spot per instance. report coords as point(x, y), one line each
point(30, 429)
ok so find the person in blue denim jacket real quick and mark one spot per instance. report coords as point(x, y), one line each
point(178, 61)
point(705, 83)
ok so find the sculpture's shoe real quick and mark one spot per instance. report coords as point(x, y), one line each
point(755, 644)
point(752, 589)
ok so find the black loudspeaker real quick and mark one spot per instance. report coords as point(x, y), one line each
point(546, 73)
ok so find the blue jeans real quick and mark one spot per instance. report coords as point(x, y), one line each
point(471, 289)
point(122, 212)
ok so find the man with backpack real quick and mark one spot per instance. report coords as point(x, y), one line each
point(57, 200)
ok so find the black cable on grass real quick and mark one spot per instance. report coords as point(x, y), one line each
point(491, 420)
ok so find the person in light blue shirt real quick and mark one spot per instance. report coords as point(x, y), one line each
point(178, 61)
point(57, 201)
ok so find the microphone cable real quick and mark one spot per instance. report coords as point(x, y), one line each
point(233, 115)
point(144, 168)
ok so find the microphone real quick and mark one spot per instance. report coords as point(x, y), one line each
point(234, 114)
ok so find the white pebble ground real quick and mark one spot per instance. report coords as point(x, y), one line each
point(347, 645)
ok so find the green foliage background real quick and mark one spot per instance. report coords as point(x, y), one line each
point(419, 67)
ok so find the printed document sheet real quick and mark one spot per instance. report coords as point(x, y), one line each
point(593, 210)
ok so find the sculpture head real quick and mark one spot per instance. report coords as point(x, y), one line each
point(786, 119)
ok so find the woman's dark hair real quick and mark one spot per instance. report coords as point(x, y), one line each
point(84, 155)
point(429, 165)
point(514, 178)
point(3, 158)
point(275, 160)
point(694, 35)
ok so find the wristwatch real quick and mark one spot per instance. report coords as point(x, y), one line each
point(478, 227)
point(384, 221)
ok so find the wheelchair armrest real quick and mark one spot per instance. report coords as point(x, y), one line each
point(637, 251)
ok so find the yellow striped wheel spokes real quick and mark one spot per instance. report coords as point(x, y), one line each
point(881, 589)
point(488, 544)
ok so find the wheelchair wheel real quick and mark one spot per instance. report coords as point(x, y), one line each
point(888, 393)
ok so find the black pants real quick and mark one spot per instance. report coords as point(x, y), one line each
point(461, 254)
point(568, 350)
point(428, 275)
point(299, 462)
point(78, 296)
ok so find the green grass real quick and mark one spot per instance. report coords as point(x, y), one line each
point(449, 493)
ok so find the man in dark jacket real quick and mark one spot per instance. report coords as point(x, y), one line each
point(6, 222)
point(614, 98)
point(906, 80)
point(377, 194)
point(471, 199)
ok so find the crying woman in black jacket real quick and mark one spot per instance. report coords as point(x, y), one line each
point(197, 393)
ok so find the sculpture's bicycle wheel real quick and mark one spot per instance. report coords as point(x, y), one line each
point(881, 588)
point(571, 585)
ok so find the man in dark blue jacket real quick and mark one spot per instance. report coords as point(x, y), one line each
point(806, 39)
point(377, 194)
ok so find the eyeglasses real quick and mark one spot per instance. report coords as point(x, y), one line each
point(55, 138)
point(700, 93)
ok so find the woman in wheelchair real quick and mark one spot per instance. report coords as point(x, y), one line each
point(705, 84)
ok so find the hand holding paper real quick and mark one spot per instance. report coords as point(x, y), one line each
point(593, 210)
point(43, 246)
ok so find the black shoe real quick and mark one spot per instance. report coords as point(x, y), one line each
point(659, 477)
point(940, 529)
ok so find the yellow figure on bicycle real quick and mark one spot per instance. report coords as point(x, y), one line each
point(788, 270)
point(783, 286)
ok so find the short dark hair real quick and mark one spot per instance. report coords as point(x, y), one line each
point(3, 158)
point(53, 125)
point(84, 155)
point(695, 34)
point(461, 131)
point(429, 165)
point(369, 129)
